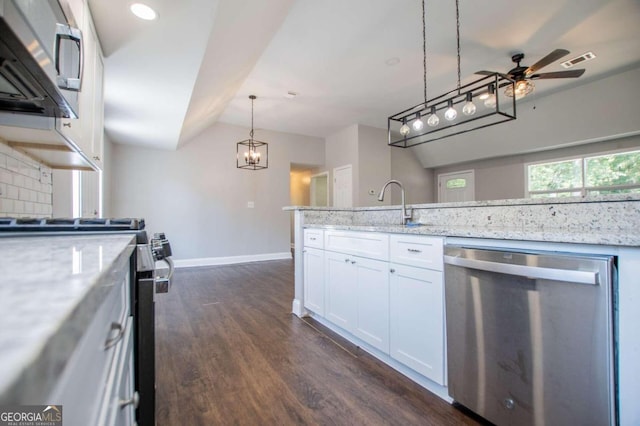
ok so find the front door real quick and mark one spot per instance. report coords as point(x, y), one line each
point(458, 186)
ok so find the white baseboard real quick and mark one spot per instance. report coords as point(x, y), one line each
point(230, 260)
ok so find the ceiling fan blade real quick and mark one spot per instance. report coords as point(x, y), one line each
point(485, 72)
point(557, 74)
point(551, 57)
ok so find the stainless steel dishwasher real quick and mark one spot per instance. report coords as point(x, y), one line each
point(530, 336)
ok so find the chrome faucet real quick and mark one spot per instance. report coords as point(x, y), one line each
point(406, 214)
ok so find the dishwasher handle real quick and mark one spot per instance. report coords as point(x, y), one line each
point(534, 272)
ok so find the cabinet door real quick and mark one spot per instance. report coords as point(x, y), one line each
point(417, 320)
point(314, 280)
point(340, 296)
point(372, 298)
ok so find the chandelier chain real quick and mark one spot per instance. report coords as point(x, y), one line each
point(458, 40)
point(424, 52)
point(251, 133)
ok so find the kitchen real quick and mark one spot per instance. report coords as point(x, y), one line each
point(189, 172)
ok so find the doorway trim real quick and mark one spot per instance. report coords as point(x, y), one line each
point(469, 175)
point(312, 189)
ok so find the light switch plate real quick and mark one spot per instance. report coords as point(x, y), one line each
point(250, 204)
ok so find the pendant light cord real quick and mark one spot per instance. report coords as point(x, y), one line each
point(424, 52)
point(458, 39)
point(251, 133)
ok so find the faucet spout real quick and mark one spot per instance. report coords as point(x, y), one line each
point(406, 214)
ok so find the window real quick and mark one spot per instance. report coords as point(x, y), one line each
point(456, 183)
point(612, 173)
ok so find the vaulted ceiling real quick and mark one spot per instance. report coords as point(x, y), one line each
point(355, 61)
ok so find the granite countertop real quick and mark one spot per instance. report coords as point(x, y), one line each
point(505, 233)
point(50, 289)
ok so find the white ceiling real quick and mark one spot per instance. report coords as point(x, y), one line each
point(168, 80)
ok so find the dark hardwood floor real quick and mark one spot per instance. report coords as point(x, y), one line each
point(229, 352)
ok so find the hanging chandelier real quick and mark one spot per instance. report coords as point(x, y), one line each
point(408, 128)
point(252, 154)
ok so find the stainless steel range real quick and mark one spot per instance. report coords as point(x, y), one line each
point(149, 277)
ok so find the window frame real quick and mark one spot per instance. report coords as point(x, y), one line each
point(582, 190)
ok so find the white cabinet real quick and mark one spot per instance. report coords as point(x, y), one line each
point(372, 302)
point(417, 304)
point(91, 376)
point(357, 287)
point(417, 320)
point(340, 284)
point(86, 132)
point(314, 280)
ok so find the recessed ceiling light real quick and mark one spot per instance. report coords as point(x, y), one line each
point(143, 11)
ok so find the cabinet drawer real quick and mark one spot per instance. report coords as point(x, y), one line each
point(314, 238)
point(82, 382)
point(417, 250)
point(364, 244)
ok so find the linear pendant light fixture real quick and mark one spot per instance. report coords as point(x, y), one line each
point(252, 154)
point(466, 108)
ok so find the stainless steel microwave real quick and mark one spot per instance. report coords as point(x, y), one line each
point(40, 59)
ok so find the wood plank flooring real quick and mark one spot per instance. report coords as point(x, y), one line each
point(229, 352)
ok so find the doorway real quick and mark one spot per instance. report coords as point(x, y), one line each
point(319, 190)
point(457, 186)
point(342, 186)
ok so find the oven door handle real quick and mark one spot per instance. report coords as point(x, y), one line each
point(533, 272)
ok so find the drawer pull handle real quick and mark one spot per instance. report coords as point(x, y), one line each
point(353, 262)
point(115, 339)
point(392, 270)
point(414, 250)
point(135, 401)
point(312, 238)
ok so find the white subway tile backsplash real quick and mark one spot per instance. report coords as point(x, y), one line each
point(25, 185)
point(13, 192)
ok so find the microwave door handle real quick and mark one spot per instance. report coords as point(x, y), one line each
point(67, 32)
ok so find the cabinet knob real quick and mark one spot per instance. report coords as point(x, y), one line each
point(353, 262)
point(346, 260)
point(392, 270)
point(115, 339)
point(135, 401)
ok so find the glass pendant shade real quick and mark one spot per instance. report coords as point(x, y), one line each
point(404, 129)
point(450, 114)
point(469, 107)
point(521, 89)
point(418, 124)
point(433, 119)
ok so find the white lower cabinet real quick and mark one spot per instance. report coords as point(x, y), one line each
point(385, 290)
point(314, 280)
point(372, 302)
point(417, 320)
point(341, 289)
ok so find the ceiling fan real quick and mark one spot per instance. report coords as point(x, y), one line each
point(523, 75)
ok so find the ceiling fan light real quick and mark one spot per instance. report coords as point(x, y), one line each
point(520, 89)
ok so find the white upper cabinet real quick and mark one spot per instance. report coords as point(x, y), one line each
point(86, 132)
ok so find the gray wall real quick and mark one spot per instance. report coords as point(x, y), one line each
point(341, 149)
point(374, 159)
point(504, 178)
point(417, 181)
point(199, 198)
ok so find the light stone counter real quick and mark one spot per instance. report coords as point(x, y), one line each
point(50, 289)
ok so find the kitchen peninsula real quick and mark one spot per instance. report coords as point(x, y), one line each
point(599, 225)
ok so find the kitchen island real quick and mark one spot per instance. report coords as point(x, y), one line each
point(607, 225)
point(52, 291)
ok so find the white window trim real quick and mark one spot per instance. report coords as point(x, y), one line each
point(583, 189)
